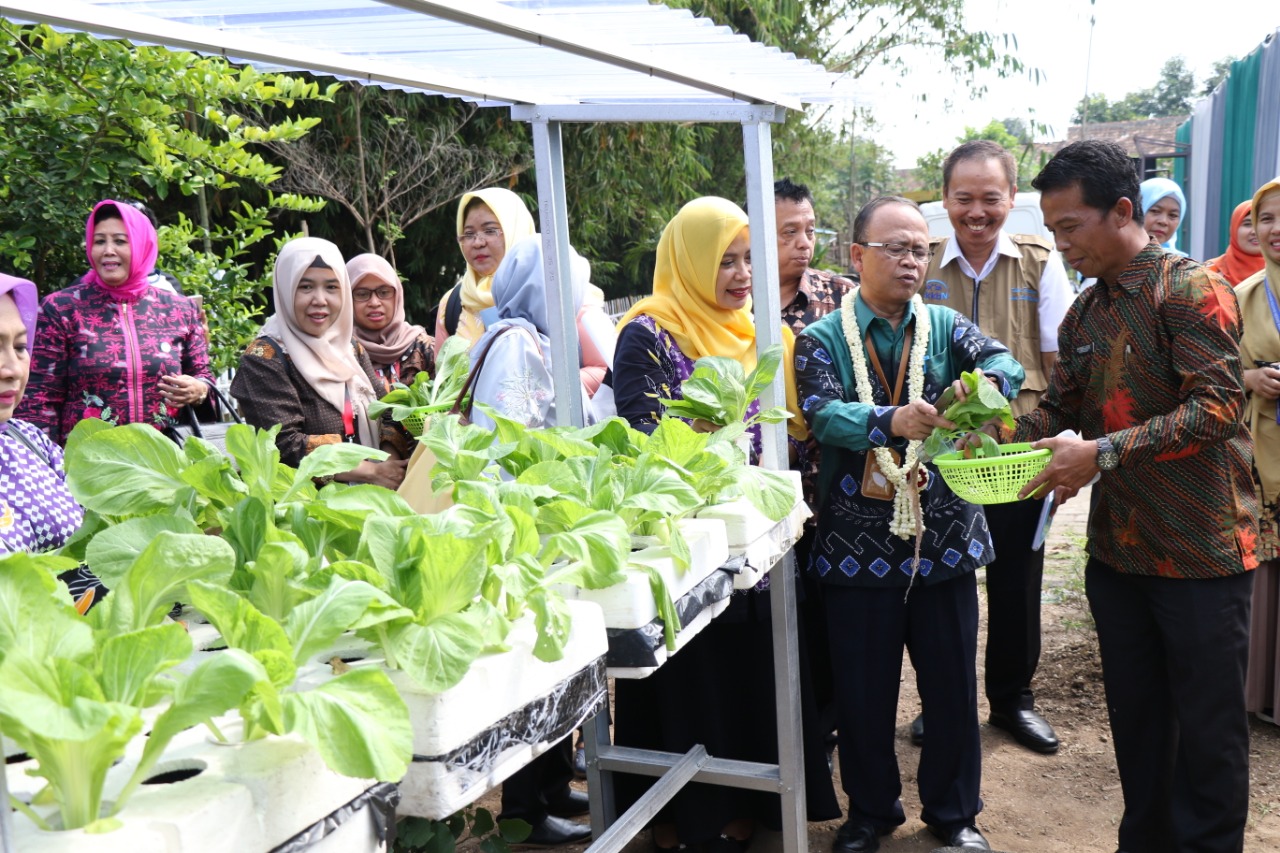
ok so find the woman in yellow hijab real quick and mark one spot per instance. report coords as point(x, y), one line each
point(701, 306)
point(489, 221)
point(1259, 297)
point(719, 690)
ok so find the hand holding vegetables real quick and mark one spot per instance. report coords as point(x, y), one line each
point(971, 405)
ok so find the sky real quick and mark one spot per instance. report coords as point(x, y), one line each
point(1130, 45)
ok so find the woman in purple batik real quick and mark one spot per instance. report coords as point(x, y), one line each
point(37, 512)
point(114, 346)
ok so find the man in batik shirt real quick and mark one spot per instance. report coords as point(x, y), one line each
point(1149, 374)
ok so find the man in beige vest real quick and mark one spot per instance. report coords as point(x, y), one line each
point(1015, 289)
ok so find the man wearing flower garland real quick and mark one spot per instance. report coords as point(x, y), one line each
point(1013, 287)
point(1149, 374)
point(867, 375)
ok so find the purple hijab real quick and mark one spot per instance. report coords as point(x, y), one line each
point(24, 296)
point(143, 249)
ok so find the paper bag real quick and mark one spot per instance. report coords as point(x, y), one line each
point(416, 487)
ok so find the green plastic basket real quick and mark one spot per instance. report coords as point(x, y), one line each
point(996, 480)
point(415, 424)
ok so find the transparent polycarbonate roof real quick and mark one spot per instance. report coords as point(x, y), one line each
point(487, 51)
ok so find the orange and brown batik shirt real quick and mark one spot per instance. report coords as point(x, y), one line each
point(1153, 361)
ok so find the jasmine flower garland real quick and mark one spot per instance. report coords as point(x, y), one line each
point(907, 519)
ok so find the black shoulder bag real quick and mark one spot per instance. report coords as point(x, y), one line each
point(187, 424)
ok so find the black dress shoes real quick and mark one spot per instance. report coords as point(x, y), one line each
point(856, 837)
point(556, 832)
point(965, 837)
point(917, 730)
point(571, 804)
point(1028, 728)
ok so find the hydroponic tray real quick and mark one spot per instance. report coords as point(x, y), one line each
point(638, 652)
point(629, 604)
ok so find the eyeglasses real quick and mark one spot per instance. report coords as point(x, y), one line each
point(488, 234)
point(363, 295)
point(897, 251)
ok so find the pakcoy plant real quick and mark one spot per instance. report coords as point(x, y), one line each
point(983, 403)
point(72, 698)
point(357, 720)
point(720, 391)
point(429, 394)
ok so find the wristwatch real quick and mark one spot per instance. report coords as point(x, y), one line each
point(1108, 457)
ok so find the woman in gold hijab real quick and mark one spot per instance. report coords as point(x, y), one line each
point(489, 221)
point(1259, 297)
point(719, 690)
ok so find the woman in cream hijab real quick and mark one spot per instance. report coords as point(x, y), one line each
point(1259, 297)
point(701, 306)
point(306, 373)
point(489, 221)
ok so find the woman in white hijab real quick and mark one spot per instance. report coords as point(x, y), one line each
point(306, 373)
point(516, 376)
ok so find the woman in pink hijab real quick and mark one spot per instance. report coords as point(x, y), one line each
point(114, 346)
point(398, 349)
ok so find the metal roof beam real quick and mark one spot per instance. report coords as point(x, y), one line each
point(118, 23)
point(647, 111)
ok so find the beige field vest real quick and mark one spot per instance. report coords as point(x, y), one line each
point(1005, 305)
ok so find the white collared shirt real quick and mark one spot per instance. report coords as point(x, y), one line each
point(1056, 294)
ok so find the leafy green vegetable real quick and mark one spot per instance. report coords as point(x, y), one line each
point(720, 391)
point(74, 706)
point(429, 395)
point(982, 403)
point(357, 721)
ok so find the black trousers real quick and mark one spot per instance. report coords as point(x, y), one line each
point(1173, 663)
point(938, 625)
point(1013, 604)
point(527, 792)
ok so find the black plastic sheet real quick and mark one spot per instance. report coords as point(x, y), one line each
point(548, 719)
point(638, 647)
point(381, 799)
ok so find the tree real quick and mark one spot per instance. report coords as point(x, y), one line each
point(82, 119)
point(1220, 72)
point(387, 163)
point(1171, 96)
point(928, 171)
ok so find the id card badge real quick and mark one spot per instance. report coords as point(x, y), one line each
point(875, 484)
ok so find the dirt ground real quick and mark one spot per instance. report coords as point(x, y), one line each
point(1064, 803)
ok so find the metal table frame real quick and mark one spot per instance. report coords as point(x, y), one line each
point(604, 759)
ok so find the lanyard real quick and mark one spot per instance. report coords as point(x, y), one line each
point(348, 418)
point(1275, 318)
point(896, 391)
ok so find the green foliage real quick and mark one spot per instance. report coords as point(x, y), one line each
point(982, 404)
point(74, 704)
point(82, 119)
point(420, 835)
point(1170, 96)
point(430, 394)
point(719, 391)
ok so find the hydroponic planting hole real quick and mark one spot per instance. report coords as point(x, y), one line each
point(176, 773)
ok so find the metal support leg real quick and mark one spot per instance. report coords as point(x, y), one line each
point(638, 816)
point(604, 806)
